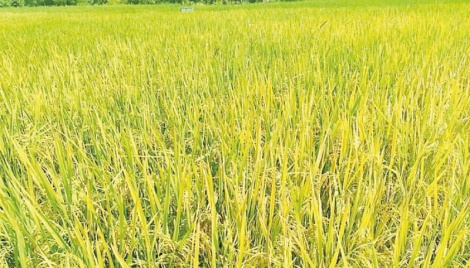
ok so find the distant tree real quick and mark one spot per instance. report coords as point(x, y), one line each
point(30, 3)
point(99, 2)
point(17, 3)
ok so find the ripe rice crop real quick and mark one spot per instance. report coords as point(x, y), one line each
point(313, 134)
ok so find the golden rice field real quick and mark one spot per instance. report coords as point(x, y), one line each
point(311, 134)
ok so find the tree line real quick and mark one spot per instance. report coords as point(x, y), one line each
point(32, 3)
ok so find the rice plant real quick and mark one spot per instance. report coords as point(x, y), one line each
point(314, 134)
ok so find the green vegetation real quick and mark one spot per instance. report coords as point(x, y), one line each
point(296, 134)
point(36, 3)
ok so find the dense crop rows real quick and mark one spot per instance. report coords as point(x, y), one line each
point(275, 135)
